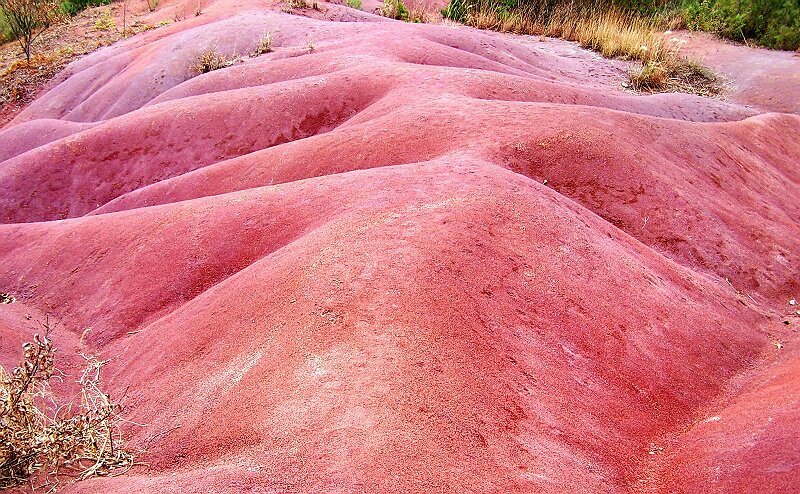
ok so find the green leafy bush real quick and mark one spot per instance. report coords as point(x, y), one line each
point(772, 23)
point(5, 29)
point(72, 7)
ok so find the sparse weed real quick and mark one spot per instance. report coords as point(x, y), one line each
point(354, 4)
point(152, 5)
point(264, 45)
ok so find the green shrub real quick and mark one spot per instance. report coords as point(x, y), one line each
point(354, 4)
point(772, 23)
point(72, 7)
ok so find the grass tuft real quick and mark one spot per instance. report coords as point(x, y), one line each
point(264, 45)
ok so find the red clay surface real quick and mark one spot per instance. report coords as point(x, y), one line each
point(416, 258)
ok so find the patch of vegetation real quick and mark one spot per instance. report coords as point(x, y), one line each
point(395, 9)
point(770, 23)
point(611, 31)
point(40, 436)
point(354, 4)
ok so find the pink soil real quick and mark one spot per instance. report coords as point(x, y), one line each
point(415, 259)
point(767, 79)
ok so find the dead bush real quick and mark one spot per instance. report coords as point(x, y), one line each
point(40, 437)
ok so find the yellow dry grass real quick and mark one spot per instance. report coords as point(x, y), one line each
point(612, 33)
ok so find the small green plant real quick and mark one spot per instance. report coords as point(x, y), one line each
point(211, 60)
point(354, 4)
point(105, 22)
point(37, 434)
point(297, 4)
point(152, 5)
point(395, 9)
point(163, 22)
point(264, 45)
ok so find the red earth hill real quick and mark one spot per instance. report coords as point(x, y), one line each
point(388, 257)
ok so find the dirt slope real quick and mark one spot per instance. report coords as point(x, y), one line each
point(389, 257)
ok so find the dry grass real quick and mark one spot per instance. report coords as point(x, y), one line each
point(210, 60)
point(264, 45)
point(612, 33)
point(418, 14)
point(40, 438)
point(686, 77)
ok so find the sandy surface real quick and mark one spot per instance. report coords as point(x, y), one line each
point(390, 257)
